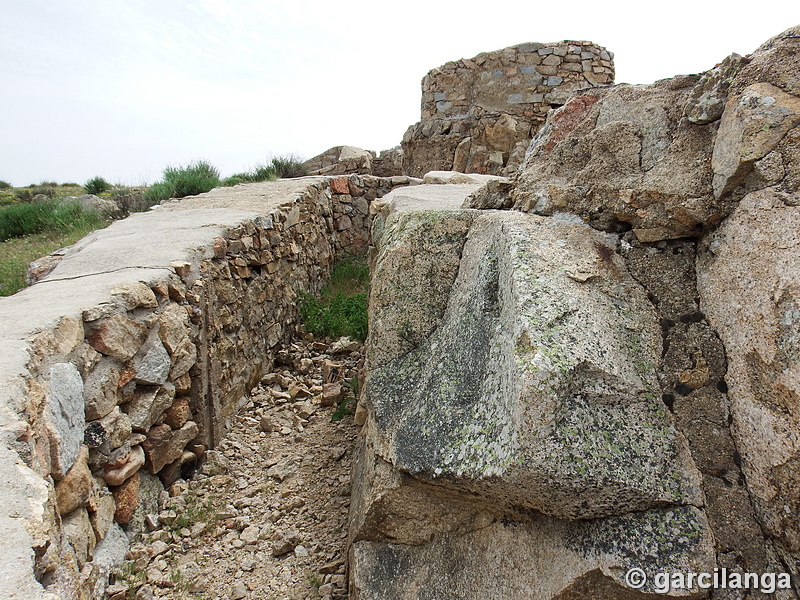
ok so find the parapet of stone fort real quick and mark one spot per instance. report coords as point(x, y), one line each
point(479, 114)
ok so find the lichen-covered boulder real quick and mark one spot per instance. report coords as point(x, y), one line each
point(539, 558)
point(520, 380)
point(538, 386)
point(707, 99)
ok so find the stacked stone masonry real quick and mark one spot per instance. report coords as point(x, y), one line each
point(108, 405)
point(479, 114)
point(349, 160)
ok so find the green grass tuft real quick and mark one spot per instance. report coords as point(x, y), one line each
point(16, 254)
point(260, 173)
point(289, 166)
point(96, 186)
point(341, 308)
point(195, 178)
point(335, 316)
point(19, 220)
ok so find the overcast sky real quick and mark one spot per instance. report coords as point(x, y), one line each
point(122, 89)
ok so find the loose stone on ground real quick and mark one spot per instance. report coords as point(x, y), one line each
point(266, 517)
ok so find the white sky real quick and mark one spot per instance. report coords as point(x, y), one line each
point(122, 89)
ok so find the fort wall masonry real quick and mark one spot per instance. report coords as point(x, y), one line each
point(122, 366)
point(479, 114)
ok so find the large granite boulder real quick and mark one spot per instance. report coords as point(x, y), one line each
point(749, 281)
point(538, 386)
point(514, 420)
point(625, 158)
point(671, 159)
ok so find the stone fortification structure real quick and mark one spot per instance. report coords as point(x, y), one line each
point(123, 365)
point(349, 160)
point(479, 114)
point(588, 368)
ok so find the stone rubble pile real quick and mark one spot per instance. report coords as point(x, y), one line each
point(266, 516)
point(349, 160)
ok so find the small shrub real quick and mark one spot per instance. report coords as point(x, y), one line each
point(265, 173)
point(195, 178)
point(96, 186)
point(289, 166)
point(8, 197)
point(349, 276)
point(27, 194)
point(345, 408)
point(158, 192)
point(4, 185)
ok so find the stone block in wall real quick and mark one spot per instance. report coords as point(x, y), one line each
point(101, 390)
point(118, 472)
point(64, 416)
point(126, 499)
point(178, 413)
point(108, 554)
point(116, 428)
point(133, 294)
point(152, 363)
point(150, 489)
point(79, 534)
point(165, 445)
point(172, 472)
point(147, 405)
point(116, 336)
point(74, 489)
point(101, 508)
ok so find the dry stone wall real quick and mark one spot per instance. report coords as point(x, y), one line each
point(349, 160)
point(122, 366)
point(479, 114)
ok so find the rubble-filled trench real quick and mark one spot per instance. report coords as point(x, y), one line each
point(266, 515)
